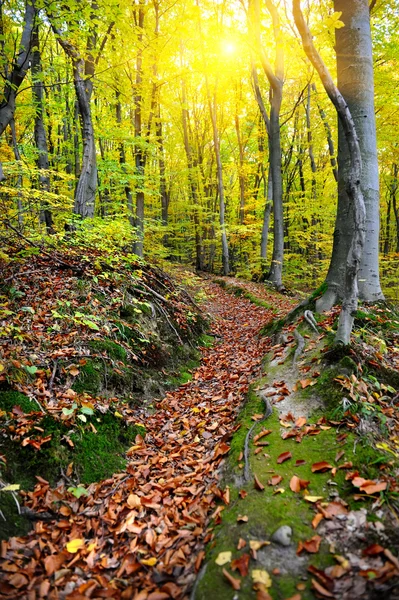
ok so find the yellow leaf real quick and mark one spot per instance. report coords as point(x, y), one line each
point(150, 562)
point(223, 558)
point(263, 577)
point(12, 487)
point(1, 367)
point(91, 546)
point(313, 498)
point(257, 544)
point(196, 410)
point(74, 545)
point(339, 24)
point(384, 446)
point(117, 414)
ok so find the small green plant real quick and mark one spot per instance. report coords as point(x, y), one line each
point(82, 410)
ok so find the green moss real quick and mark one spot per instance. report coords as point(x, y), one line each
point(205, 341)
point(267, 511)
point(89, 379)
point(95, 456)
point(100, 455)
point(111, 348)
point(13, 523)
point(11, 398)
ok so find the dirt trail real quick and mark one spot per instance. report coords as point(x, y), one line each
point(140, 534)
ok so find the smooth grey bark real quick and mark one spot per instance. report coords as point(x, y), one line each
point(352, 181)
point(17, 155)
point(20, 67)
point(269, 184)
point(39, 128)
point(266, 215)
point(85, 192)
point(356, 82)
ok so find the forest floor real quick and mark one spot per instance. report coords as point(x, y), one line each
point(181, 518)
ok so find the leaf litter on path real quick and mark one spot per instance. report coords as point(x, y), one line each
point(138, 534)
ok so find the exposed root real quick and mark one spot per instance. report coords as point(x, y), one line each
point(300, 346)
point(268, 412)
point(309, 318)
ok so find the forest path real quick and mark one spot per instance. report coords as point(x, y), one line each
point(140, 535)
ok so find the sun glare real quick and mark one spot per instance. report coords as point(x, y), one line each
point(228, 47)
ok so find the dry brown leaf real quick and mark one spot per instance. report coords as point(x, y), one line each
point(283, 457)
point(235, 583)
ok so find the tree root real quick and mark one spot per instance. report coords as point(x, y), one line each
point(300, 346)
point(268, 412)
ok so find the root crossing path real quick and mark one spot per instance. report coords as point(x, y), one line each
point(140, 535)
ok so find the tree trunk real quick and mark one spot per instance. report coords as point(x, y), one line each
point(21, 65)
point(39, 129)
point(276, 81)
point(163, 188)
point(85, 193)
point(355, 81)
point(191, 166)
point(139, 154)
point(352, 182)
point(219, 171)
point(17, 155)
point(122, 161)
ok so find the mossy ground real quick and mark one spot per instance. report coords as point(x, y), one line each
point(96, 453)
point(268, 510)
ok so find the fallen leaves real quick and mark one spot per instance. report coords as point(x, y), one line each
point(235, 583)
point(223, 558)
point(262, 577)
point(296, 484)
point(283, 457)
point(312, 546)
point(241, 564)
point(74, 545)
point(369, 486)
point(257, 484)
point(321, 467)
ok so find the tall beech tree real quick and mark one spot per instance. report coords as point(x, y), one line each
point(355, 80)
point(14, 69)
point(351, 181)
point(276, 81)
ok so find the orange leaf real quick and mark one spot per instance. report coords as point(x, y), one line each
point(241, 564)
point(370, 487)
point(305, 383)
point(316, 520)
point(297, 484)
point(321, 467)
point(275, 480)
point(283, 457)
point(241, 544)
point(235, 583)
point(258, 484)
point(312, 546)
point(300, 421)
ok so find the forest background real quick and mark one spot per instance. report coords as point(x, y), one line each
point(144, 126)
